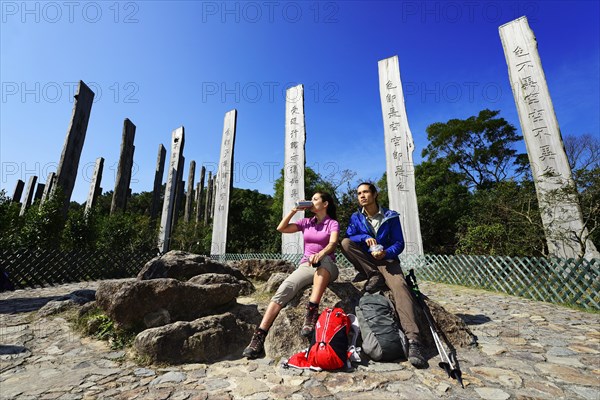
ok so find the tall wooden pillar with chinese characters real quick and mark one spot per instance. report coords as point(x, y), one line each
point(399, 147)
point(293, 172)
point(223, 186)
point(175, 165)
point(566, 234)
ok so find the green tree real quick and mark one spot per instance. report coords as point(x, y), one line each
point(249, 228)
point(478, 147)
point(583, 153)
point(443, 200)
point(10, 222)
point(503, 220)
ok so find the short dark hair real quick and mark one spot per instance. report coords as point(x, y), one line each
point(372, 187)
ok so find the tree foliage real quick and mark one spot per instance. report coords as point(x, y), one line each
point(442, 200)
point(478, 147)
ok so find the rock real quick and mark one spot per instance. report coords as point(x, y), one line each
point(492, 393)
point(129, 301)
point(275, 281)
point(64, 303)
point(263, 269)
point(158, 318)
point(182, 266)
point(246, 287)
point(55, 307)
point(206, 339)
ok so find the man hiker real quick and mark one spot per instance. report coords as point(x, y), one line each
point(373, 245)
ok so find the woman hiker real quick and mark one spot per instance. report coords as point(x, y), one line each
point(317, 265)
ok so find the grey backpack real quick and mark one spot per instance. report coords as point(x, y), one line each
point(382, 338)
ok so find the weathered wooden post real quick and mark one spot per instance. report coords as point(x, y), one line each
point(223, 185)
point(179, 191)
point(399, 148)
point(177, 144)
point(566, 234)
point(293, 170)
point(119, 200)
point(213, 200)
point(50, 182)
point(39, 192)
point(199, 193)
point(189, 200)
point(158, 176)
point(18, 192)
point(71, 153)
point(95, 185)
point(28, 195)
point(209, 193)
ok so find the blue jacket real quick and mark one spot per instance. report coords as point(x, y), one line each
point(389, 234)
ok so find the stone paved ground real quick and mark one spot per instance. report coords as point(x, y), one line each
point(527, 350)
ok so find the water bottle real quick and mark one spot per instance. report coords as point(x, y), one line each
point(304, 204)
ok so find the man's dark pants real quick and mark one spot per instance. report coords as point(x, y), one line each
point(394, 278)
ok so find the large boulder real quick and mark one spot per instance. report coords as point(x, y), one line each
point(203, 340)
point(263, 269)
point(182, 266)
point(129, 302)
point(246, 287)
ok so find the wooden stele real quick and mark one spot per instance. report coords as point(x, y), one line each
point(199, 193)
point(158, 176)
point(164, 235)
point(95, 185)
point(566, 234)
point(18, 192)
point(293, 171)
point(50, 182)
point(209, 195)
point(28, 195)
point(223, 181)
point(119, 200)
point(399, 148)
point(71, 153)
point(189, 200)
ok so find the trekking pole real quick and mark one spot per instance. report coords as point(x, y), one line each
point(449, 362)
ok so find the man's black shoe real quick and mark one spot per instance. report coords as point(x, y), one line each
point(359, 277)
point(415, 355)
point(375, 284)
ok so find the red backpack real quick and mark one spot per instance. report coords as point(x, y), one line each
point(329, 346)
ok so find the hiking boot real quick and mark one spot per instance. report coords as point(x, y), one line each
point(256, 346)
point(359, 277)
point(415, 355)
point(375, 284)
point(310, 320)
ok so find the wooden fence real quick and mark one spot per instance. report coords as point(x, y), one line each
point(560, 281)
point(38, 268)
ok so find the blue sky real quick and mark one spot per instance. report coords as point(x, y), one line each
point(166, 64)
